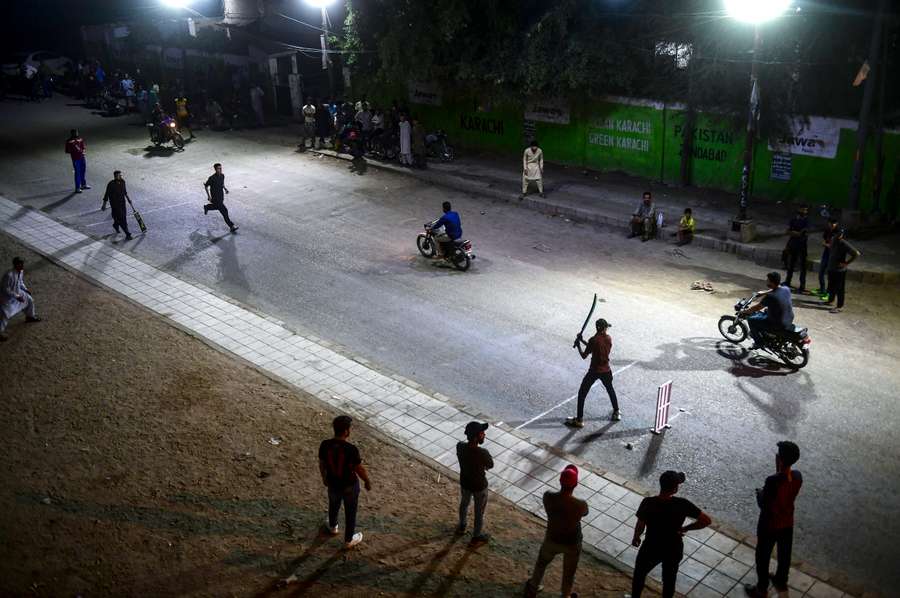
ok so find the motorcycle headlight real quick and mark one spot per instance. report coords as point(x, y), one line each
point(172, 124)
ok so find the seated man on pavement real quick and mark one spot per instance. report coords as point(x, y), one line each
point(643, 221)
point(779, 311)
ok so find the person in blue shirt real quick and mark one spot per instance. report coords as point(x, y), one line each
point(452, 228)
point(779, 313)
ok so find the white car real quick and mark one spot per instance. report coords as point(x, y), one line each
point(58, 64)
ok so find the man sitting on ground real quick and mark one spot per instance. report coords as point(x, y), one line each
point(686, 227)
point(644, 218)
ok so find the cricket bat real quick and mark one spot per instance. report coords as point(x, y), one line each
point(586, 320)
point(137, 217)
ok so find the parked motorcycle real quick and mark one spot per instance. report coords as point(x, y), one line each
point(790, 346)
point(165, 131)
point(110, 105)
point(460, 258)
point(438, 146)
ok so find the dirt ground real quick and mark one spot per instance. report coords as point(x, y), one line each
point(137, 461)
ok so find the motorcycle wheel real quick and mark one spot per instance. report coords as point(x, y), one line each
point(794, 356)
point(448, 154)
point(178, 140)
point(732, 330)
point(426, 246)
point(461, 261)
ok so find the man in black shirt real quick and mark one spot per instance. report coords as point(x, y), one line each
point(341, 468)
point(116, 194)
point(842, 254)
point(663, 517)
point(473, 461)
point(215, 186)
point(798, 231)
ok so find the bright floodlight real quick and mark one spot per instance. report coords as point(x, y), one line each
point(756, 11)
point(176, 3)
point(320, 3)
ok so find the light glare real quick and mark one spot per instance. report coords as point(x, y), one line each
point(176, 3)
point(320, 3)
point(756, 11)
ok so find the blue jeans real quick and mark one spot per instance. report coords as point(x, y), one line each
point(350, 497)
point(80, 167)
point(465, 496)
point(759, 323)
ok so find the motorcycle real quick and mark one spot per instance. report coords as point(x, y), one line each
point(790, 346)
point(438, 146)
point(165, 131)
point(460, 258)
point(350, 141)
point(110, 105)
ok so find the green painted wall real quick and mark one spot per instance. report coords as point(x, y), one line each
point(645, 139)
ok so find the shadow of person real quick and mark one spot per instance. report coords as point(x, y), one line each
point(158, 151)
point(58, 203)
point(229, 270)
point(358, 166)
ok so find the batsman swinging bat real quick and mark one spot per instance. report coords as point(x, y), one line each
point(137, 217)
point(586, 320)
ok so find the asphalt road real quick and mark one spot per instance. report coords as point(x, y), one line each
point(331, 250)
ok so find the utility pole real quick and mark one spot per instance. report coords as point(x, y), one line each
point(862, 130)
point(752, 116)
point(326, 57)
point(879, 126)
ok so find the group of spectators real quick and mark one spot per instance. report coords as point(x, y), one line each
point(659, 525)
point(384, 132)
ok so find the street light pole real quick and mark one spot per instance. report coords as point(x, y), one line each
point(752, 117)
point(326, 57)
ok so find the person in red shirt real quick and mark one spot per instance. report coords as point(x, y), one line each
point(776, 521)
point(598, 347)
point(76, 150)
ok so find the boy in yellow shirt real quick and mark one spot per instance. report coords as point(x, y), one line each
point(686, 227)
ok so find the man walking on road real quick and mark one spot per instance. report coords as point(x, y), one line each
point(533, 168)
point(116, 194)
point(798, 232)
point(598, 347)
point(341, 468)
point(76, 150)
point(563, 536)
point(215, 190)
point(841, 255)
point(473, 462)
point(663, 517)
point(15, 297)
point(776, 521)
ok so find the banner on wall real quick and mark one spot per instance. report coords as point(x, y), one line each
point(424, 93)
point(818, 138)
point(549, 111)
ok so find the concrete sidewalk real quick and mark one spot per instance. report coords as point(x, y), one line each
point(610, 199)
point(717, 560)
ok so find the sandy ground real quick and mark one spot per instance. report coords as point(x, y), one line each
point(137, 461)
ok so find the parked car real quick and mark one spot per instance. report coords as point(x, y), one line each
point(59, 65)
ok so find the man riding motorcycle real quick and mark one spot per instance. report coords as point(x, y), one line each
point(779, 315)
point(452, 229)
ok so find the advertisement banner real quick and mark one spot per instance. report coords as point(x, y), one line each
point(818, 138)
point(424, 93)
point(550, 111)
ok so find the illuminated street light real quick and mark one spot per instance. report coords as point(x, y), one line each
point(176, 3)
point(320, 3)
point(323, 39)
point(754, 12)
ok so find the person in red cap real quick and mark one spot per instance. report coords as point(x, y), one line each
point(473, 463)
point(663, 517)
point(776, 521)
point(598, 347)
point(564, 514)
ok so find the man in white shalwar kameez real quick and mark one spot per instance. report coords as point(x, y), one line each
point(533, 168)
point(405, 141)
point(15, 296)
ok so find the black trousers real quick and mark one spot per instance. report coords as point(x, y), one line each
point(837, 279)
point(795, 255)
point(220, 207)
point(765, 542)
point(119, 221)
point(648, 557)
point(588, 381)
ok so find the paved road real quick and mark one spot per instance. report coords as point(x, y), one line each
point(331, 251)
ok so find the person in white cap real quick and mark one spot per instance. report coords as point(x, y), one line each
point(564, 514)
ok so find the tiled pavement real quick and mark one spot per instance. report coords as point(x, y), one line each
point(714, 565)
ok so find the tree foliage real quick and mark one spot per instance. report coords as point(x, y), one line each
point(513, 49)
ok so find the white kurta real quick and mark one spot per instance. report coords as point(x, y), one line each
point(405, 137)
point(11, 287)
point(533, 164)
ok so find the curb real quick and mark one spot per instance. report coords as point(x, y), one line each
point(763, 256)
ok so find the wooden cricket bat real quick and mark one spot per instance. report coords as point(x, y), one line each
point(137, 217)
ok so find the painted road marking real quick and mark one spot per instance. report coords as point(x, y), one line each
point(150, 211)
